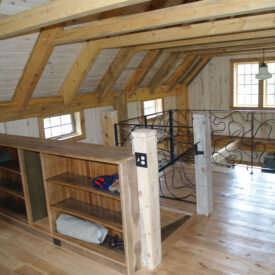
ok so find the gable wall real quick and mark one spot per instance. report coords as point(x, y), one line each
point(211, 90)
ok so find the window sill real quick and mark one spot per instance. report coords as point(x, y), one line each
point(74, 137)
point(252, 109)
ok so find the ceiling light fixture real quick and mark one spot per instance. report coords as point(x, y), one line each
point(263, 71)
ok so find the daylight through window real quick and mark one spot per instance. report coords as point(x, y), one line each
point(248, 91)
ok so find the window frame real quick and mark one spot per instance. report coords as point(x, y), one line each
point(142, 108)
point(79, 124)
point(261, 84)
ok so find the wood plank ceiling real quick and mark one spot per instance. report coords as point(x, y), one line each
point(144, 49)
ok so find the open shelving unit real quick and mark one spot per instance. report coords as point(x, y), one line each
point(70, 191)
point(12, 199)
point(47, 178)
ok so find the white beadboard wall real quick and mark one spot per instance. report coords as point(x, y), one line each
point(211, 88)
point(93, 124)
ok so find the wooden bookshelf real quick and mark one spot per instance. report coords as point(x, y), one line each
point(56, 178)
point(12, 188)
point(11, 166)
point(8, 211)
point(82, 183)
point(110, 219)
point(104, 248)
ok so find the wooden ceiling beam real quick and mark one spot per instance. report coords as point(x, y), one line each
point(199, 30)
point(208, 40)
point(196, 70)
point(204, 47)
point(34, 68)
point(55, 12)
point(113, 73)
point(241, 52)
point(233, 48)
point(180, 14)
point(167, 66)
point(139, 74)
point(174, 79)
point(54, 105)
point(79, 70)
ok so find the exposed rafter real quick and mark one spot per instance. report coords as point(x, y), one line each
point(196, 70)
point(55, 12)
point(140, 73)
point(190, 68)
point(80, 69)
point(164, 69)
point(181, 14)
point(35, 66)
point(174, 79)
point(112, 74)
point(228, 26)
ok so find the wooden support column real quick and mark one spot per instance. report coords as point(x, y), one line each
point(145, 141)
point(203, 168)
point(108, 119)
point(182, 98)
point(121, 106)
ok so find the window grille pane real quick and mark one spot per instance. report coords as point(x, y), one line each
point(48, 133)
point(46, 122)
point(58, 126)
point(149, 103)
point(66, 119)
point(55, 121)
point(67, 129)
point(246, 86)
point(56, 131)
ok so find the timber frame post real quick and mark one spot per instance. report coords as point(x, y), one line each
point(203, 167)
point(145, 143)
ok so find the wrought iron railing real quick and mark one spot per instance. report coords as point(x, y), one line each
point(237, 137)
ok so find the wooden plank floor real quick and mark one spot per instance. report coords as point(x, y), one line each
point(238, 238)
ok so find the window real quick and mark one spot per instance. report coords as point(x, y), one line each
point(152, 107)
point(248, 91)
point(61, 127)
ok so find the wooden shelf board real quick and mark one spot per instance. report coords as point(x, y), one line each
point(9, 212)
point(115, 253)
point(8, 188)
point(82, 183)
point(11, 166)
point(87, 151)
point(109, 218)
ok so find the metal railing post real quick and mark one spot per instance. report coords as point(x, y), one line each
point(171, 133)
point(252, 142)
point(116, 134)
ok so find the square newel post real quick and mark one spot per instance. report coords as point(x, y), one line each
point(145, 142)
point(203, 168)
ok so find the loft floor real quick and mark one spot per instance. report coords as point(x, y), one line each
point(238, 238)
